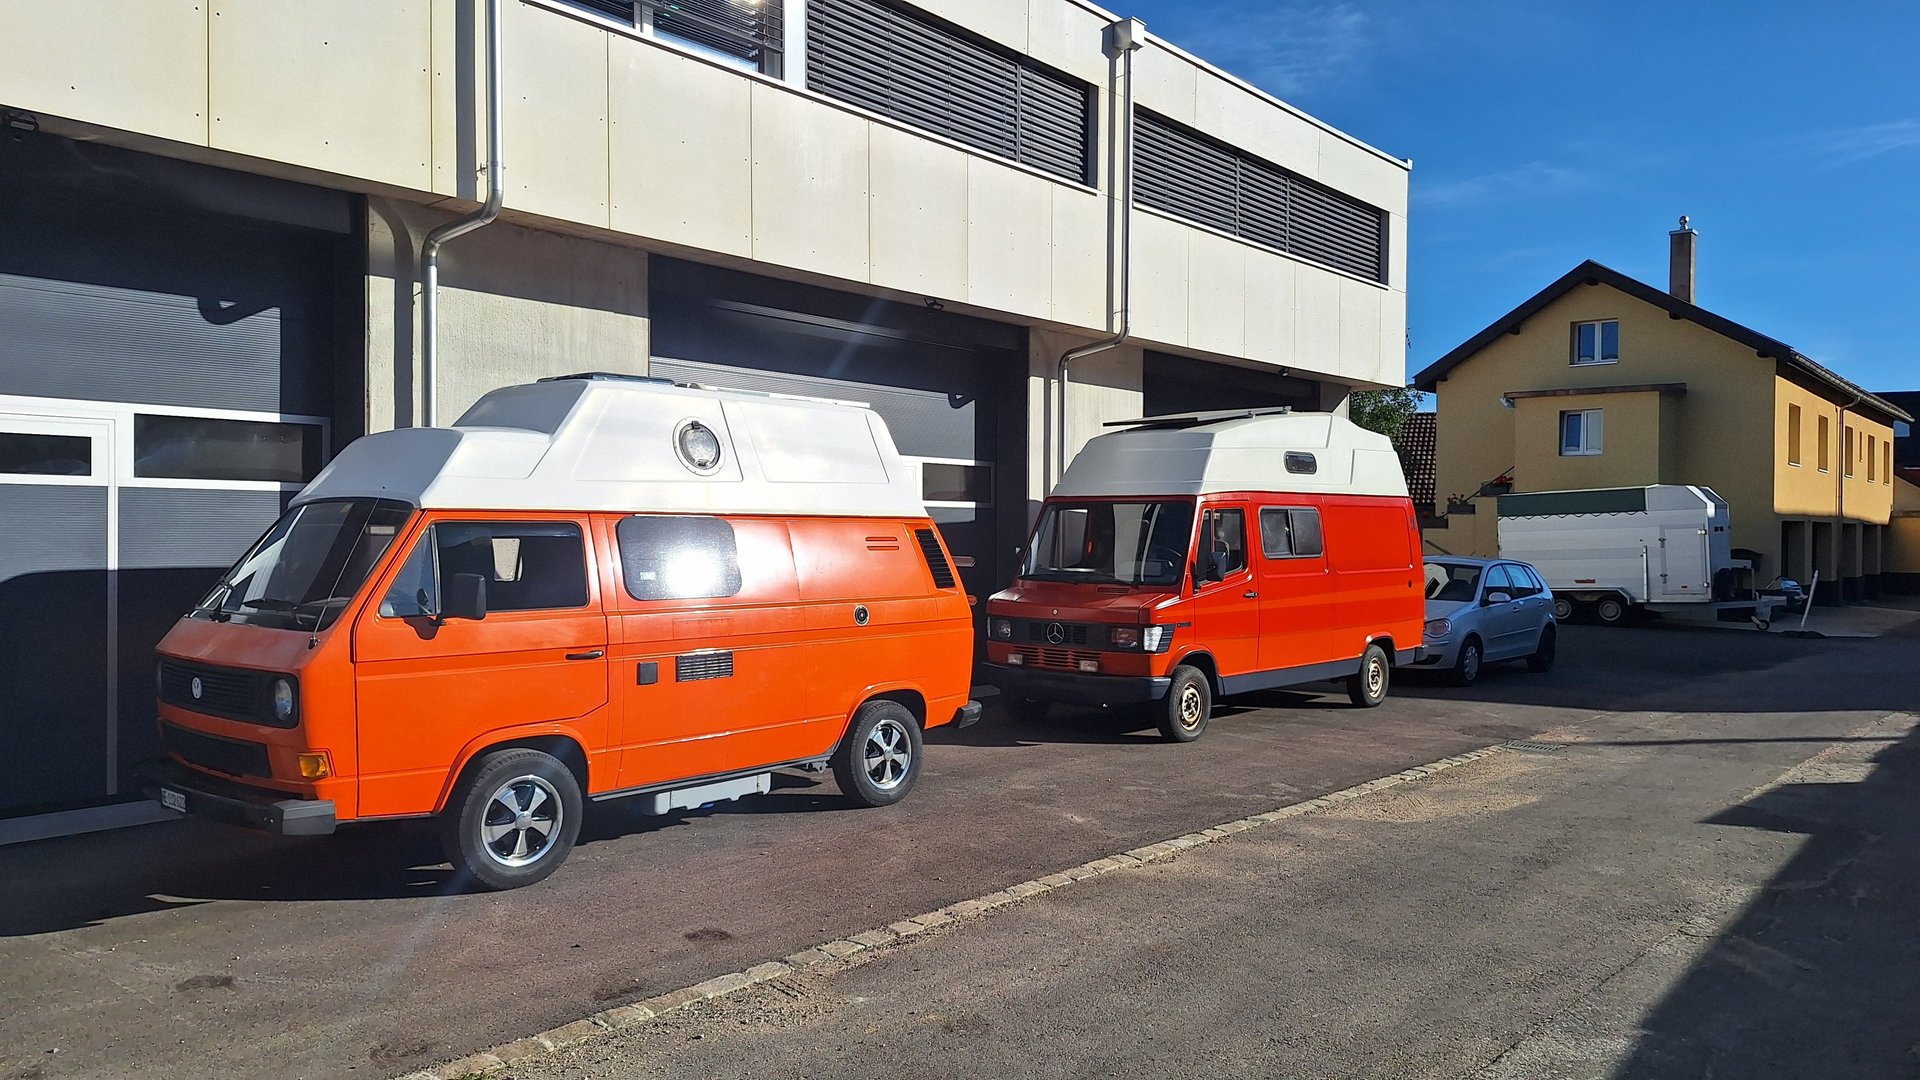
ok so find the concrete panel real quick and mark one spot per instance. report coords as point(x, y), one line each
point(1071, 38)
point(1159, 278)
point(556, 115)
point(1393, 338)
point(680, 175)
point(1362, 174)
point(1164, 83)
point(1009, 239)
point(810, 200)
point(1359, 330)
point(1080, 261)
point(343, 87)
point(1397, 251)
point(1270, 307)
point(1103, 387)
point(1316, 327)
point(1004, 21)
point(1241, 119)
point(919, 193)
point(459, 100)
point(1216, 294)
point(137, 67)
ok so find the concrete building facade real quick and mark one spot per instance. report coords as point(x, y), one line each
point(216, 212)
point(1600, 381)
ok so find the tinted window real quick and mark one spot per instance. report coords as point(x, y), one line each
point(45, 455)
point(202, 448)
point(529, 566)
point(1289, 533)
point(1522, 584)
point(678, 558)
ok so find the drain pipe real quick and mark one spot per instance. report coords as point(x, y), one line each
point(1125, 37)
point(430, 249)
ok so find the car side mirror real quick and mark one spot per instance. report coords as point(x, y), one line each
point(465, 597)
point(1493, 598)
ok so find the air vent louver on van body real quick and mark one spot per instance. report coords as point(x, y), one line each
point(936, 559)
point(694, 667)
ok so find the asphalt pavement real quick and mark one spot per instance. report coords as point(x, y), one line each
point(190, 950)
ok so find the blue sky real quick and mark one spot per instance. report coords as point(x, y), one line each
point(1547, 133)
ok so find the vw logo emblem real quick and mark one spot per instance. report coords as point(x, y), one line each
point(196, 688)
point(1055, 634)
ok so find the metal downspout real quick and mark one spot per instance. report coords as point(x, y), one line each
point(1128, 37)
point(430, 248)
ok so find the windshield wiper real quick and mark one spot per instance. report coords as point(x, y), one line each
point(1073, 576)
point(270, 603)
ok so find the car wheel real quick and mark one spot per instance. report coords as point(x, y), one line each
point(1368, 686)
point(879, 759)
point(1542, 658)
point(1183, 715)
point(514, 820)
point(1025, 709)
point(1610, 610)
point(1466, 666)
point(1562, 608)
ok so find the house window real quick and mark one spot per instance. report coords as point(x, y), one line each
point(1596, 342)
point(1580, 433)
point(1826, 443)
point(1902, 429)
point(1847, 452)
point(1873, 459)
point(747, 35)
point(1793, 434)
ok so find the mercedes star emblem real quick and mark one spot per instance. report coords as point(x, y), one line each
point(1056, 633)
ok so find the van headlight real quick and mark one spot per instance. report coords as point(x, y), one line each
point(1151, 639)
point(284, 701)
point(1124, 637)
point(1439, 628)
point(1000, 629)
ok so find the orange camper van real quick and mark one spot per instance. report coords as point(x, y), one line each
point(1185, 558)
point(589, 587)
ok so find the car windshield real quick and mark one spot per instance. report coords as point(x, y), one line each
point(1452, 581)
point(302, 573)
point(1123, 543)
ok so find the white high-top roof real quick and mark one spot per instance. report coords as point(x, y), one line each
point(1238, 450)
point(608, 443)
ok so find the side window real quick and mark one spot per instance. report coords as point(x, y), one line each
point(415, 587)
point(1290, 533)
point(678, 558)
point(1522, 584)
point(1533, 578)
point(1498, 581)
point(529, 566)
point(1225, 534)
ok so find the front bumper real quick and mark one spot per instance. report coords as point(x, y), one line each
point(1435, 653)
point(965, 716)
point(1071, 688)
point(237, 804)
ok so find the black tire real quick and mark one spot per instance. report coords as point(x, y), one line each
point(1367, 687)
point(1183, 714)
point(1543, 653)
point(1025, 709)
point(1467, 665)
point(879, 759)
point(486, 841)
point(1610, 610)
point(1562, 608)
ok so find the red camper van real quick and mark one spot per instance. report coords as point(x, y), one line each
point(1186, 558)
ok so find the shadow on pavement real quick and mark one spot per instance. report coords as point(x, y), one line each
point(1820, 976)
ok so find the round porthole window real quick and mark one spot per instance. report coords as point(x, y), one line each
point(698, 446)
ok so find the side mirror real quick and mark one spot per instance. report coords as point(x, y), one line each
point(465, 597)
point(1493, 598)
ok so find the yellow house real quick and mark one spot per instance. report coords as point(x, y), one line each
point(1600, 380)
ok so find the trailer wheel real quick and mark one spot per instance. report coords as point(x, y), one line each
point(1610, 610)
point(1562, 608)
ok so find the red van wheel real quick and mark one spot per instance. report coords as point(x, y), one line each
point(1183, 715)
point(514, 820)
point(1368, 686)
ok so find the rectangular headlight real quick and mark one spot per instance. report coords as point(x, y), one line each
point(1000, 629)
point(1124, 637)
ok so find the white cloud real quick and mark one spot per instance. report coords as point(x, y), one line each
point(1285, 47)
point(1848, 145)
point(1532, 178)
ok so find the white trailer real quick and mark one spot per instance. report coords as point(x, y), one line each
point(1663, 548)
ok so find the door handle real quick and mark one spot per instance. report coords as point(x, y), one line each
point(1251, 593)
point(593, 654)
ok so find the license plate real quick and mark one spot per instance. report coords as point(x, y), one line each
point(173, 800)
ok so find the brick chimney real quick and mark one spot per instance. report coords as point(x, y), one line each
point(1680, 264)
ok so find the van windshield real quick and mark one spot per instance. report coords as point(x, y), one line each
point(1111, 543)
point(302, 573)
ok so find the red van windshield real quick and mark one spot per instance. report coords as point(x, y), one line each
point(1123, 543)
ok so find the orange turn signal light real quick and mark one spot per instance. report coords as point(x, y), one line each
point(316, 766)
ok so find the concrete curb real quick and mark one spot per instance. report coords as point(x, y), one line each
point(622, 1017)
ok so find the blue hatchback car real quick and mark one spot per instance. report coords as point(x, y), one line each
point(1484, 611)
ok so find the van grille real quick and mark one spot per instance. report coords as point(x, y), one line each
point(231, 756)
point(1042, 632)
point(1063, 659)
point(936, 559)
point(702, 665)
point(231, 693)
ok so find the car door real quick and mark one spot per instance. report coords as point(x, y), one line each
point(1226, 604)
point(1538, 605)
point(427, 686)
point(1504, 622)
point(1296, 602)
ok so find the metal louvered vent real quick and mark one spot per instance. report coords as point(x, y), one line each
point(936, 559)
point(1185, 174)
point(908, 67)
point(750, 30)
point(702, 665)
